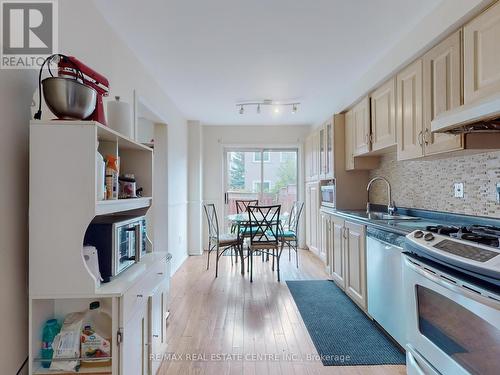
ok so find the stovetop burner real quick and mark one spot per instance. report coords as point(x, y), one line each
point(482, 234)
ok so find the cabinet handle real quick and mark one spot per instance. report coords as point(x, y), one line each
point(140, 296)
point(156, 335)
point(427, 136)
point(160, 273)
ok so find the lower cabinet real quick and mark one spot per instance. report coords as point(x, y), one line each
point(347, 258)
point(134, 347)
point(355, 257)
point(312, 216)
point(143, 321)
point(324, 228)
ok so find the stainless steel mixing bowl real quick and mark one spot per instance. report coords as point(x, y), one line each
point(69, 99)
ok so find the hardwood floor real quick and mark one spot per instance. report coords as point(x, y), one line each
point(230, 326)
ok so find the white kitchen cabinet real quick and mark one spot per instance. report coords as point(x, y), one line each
point(355, 263)
point(383, 115)
point(312, 216)
point(361, 127)
point(409, 114)
point(481, 55)
point(442, 92)
point(337, 261)
point(158, 314)
point(324, 227)
point(134, 345)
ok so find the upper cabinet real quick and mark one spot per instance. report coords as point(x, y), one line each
point(442, 92)
point(482, 55)
point(361, 127)
point(409, 114)
point(383, 116)
point(326, 150)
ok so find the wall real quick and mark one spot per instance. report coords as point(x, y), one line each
point(96, 44)
point(429, 184)
point(215, 138)
point(195, 182)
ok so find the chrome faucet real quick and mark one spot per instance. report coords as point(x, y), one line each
point(391, 207)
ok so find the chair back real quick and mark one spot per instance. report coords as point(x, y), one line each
point(293, 220)
point(242, 205)
point(213, 222)
point(264, 223)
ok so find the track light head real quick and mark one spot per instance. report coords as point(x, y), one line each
point(242, 110)
point(258, 108)
point(294, 109)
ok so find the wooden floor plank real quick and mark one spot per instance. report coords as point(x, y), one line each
point(242, 328)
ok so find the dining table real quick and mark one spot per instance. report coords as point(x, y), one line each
point(242, 219)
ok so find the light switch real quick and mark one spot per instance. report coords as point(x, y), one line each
point(459, 189)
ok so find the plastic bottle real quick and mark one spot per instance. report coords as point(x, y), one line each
point(50, 331)
point(112, 177)
point(96, 335)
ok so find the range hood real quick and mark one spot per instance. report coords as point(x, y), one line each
point(482, 116)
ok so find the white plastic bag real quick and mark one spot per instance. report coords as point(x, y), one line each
point(66, 344)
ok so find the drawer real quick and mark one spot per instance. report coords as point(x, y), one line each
point(135, 298)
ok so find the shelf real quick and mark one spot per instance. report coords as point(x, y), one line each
point(120, 205)
point(83, 370)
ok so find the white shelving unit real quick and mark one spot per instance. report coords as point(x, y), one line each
point(62, 205)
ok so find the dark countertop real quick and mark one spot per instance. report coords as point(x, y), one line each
point(423, 218)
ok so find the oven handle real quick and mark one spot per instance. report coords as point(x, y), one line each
point(138, 243)
point(454, 288)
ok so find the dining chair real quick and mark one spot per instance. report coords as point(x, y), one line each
point(220, 242)
point(289, 233)
point(264, 223)
point(242, 205)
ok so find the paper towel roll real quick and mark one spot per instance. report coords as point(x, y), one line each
point(120, 117)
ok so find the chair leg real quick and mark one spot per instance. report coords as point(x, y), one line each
point(240, 254)
point(209, 251)
point(278, 265)
point(272, 265)
point(251, 265)
point(217, 261)
point(289, 251)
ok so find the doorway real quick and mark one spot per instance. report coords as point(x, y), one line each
point(268, 175)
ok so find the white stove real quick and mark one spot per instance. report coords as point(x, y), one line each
point(467, 249)
point(451, 278)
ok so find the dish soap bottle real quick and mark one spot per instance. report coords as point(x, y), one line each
point(50, 331)
point(96, 337)
point(111, 177)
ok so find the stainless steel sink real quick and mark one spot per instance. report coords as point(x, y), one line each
point(384, 216)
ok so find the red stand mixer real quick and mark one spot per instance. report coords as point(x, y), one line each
point(66, 97)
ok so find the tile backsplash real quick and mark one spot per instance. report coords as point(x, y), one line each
point(429, 184)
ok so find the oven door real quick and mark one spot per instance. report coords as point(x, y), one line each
point(124, 247)
point(455, 329)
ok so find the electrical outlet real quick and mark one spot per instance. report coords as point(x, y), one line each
point(459, 189)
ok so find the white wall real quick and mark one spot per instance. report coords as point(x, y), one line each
point(195, 181)
point(83, 33)
point(215, 138)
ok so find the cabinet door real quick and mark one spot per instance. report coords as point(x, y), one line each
point(337, 261)
point(355, 256)
point(308, 215)
point(322, 153)
point(409, 112)
point(323, 237)
point(314, 217)
point(329, 162)
point(383, 113)
point(308, 158)
point(482, 55)
point(134, 347)
point(349, 141)
point(315, 156)
point(158, 313)
point(442, 92)
point(361, 118)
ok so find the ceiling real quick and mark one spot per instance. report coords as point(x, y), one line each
point(208, 55)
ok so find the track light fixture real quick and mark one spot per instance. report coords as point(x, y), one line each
point(276, 106)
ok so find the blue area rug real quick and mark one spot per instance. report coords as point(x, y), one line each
point(342, 334)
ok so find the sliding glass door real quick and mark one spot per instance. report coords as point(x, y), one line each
point(267, 175)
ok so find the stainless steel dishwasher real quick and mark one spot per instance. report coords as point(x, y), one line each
point(385, 284)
